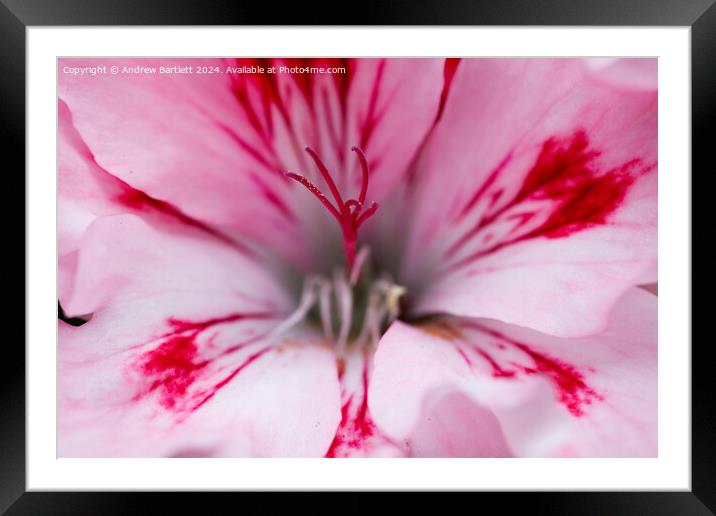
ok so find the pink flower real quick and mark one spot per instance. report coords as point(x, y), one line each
point(462, 284)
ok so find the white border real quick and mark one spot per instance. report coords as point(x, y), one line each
point(671, 470)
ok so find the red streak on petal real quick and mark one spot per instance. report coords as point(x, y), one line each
point(181, 325)
point(371, 120)
point(135, 199)
point(449, 70)
point(306, 81)
point(259, 93)
point(485, 186)
point(269, 162)
point(173, 367)
point(581, 197)
point(463, 355)
point(356, 425)
point(140, 201)
point(216, 387)
point(572, 390)
point(497, 370)
point(274, 199)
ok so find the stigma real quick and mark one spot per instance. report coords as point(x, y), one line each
point(350, 214)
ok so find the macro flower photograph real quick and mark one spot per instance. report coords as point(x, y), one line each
point(359, 257)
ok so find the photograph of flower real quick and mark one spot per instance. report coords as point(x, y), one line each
point(360, 257)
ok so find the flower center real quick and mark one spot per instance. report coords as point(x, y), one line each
point(350, 308)
point(350, 214)
point(356, 304)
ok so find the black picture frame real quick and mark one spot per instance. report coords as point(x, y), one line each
point(17, 15)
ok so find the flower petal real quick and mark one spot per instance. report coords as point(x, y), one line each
point(87, 192)
point(182, 354)
point(125, 260)
point(392, 105)
point(631, 73)
point(537, 185)
point(592, 396)
point(357, 434)
point(215, 391)
point(448, 427)
point(217, 145)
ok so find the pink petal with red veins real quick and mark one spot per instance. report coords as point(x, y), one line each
point(221, 391)
point(591, 397)
point(357, 434)
point(217, 145)
point(392, 105)
point(87, 192)
point(535, 199)
point(181, 355)
point(185, 140)
point(124, 261)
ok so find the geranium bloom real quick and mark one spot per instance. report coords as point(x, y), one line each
point(412, 257)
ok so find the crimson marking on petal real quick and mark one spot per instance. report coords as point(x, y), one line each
point(497, 370)
point(269, 93)
point(273, 198)
point(572, 390)
point(449, 70)
point(248, 147)
point(342, 82)
point(173, 367)
point(306, 81)
point(241, 93)
point(267, 88)
point(336, 140)
point(569, 383)
point(215, 388)
point(448, 332)
point(574, 393)
point(130, 197)
point(355, 428)
point(371, 120)
point(463, 355)
point(485, 186)
point(140, 201)
point(581, 197)
point(182, 325)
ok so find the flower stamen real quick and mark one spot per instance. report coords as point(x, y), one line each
point(349, 214)
point(350, 309)
point(364, 168)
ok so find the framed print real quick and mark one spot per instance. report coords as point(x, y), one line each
point(364, 257)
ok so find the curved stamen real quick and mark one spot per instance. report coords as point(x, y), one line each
point(364, 168)
point(366, 214)
point(353, 202)
point(308, 298)
point(315, 191)
point(344, 298)
point(325, 309)
point(349, 214)
point(327, 178)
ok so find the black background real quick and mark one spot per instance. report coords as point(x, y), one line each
point(16, 15)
